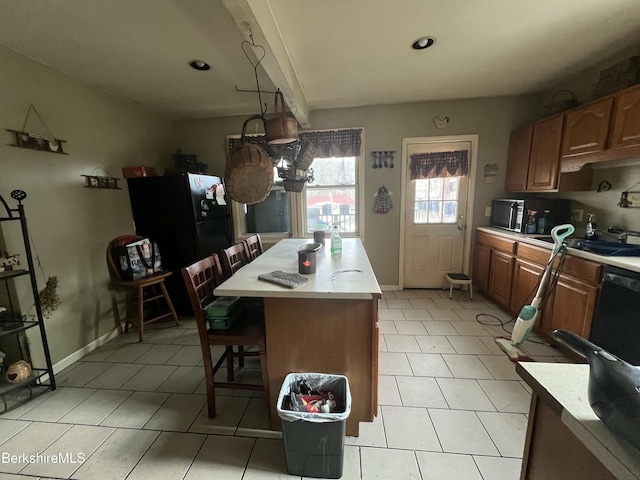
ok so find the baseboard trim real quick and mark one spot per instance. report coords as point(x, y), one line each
point(389, 287)
point(78, 354)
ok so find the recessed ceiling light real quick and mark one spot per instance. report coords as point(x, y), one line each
point(199, 65)
point(423, 42)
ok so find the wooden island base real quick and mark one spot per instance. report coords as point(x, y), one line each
point(335, 336)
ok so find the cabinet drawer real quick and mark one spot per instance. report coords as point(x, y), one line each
point(585, 270)
point(534, 254)
point(497, 243)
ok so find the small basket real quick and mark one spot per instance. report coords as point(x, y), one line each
point(294, 185)
point(559, 105)
point(306, 156)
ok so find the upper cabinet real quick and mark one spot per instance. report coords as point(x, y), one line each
point(534, 160)
point(518, 164)
point(626, 120)
point(544, 158)
point(586, 128)
point(551, 154)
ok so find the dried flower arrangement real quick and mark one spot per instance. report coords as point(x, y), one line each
point(49, 299)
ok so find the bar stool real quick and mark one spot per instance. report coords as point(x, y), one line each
point(457, 279)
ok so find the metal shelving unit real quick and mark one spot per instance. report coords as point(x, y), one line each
point(12, 324)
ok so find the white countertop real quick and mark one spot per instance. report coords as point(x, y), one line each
point(348, 275)
point(567, 383)
point(630, 263)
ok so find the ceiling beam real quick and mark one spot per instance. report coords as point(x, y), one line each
point(255, 18)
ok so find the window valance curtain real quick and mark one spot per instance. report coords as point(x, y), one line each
point(439, 164)
point(330, 143)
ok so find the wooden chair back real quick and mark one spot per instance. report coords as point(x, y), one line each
point(201, 278)
point(233, 258)
point(140, 292)
point(253, 247)
point(120, 241)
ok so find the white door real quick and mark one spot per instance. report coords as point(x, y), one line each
point(434, 220)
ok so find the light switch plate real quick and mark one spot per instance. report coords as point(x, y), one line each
point(487, 212)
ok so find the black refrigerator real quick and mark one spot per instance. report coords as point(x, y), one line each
point(188, 215)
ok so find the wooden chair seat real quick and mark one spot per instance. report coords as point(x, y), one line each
point(142, 293)
point(201, 278)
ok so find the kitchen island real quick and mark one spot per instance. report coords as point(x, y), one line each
point(565, 439)
point(328, 325)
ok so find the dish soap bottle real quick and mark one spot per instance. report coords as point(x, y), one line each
point(590, 233)
point(336, 241)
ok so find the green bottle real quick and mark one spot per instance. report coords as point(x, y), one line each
point(336, 241)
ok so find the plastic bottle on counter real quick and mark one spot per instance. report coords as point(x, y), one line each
point(544, 223)
point(336, 241)
point(590, 232)
point(531, 224)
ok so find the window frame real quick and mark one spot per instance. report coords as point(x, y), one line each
point(297, 207)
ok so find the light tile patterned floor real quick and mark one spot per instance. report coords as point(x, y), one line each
point(451, 407)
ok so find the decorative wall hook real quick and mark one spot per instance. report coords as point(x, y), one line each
point(441, 121)
point(383, 159)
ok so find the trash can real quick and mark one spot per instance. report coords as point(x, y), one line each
point(314, 441)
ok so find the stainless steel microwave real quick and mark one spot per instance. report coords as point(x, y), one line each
point(511, 214)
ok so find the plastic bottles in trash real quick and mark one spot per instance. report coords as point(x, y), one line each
point(336, 241)
point(590, 233)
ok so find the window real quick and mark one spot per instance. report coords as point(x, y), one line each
point(436, 200)
point(332, 197)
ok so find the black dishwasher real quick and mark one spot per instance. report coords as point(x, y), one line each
point(616, 323)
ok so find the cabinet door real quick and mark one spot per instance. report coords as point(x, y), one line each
point(586, 128)
point(518, 159)
point(525, 283)
point(626, 121)
point(481, 266)
point(544, 161)
point(500, 275)
point(571, 307)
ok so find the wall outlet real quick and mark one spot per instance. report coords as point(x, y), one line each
point(576, 215)
point(487, 212)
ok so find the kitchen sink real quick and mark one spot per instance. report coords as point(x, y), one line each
point(600, 247)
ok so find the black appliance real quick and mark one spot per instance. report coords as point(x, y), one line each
point(183, 214)
point(616, 322)
point(613, 389)
point(511, 214)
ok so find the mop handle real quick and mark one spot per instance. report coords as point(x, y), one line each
point(558, 238)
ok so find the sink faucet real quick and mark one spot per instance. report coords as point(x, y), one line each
point(617, 233)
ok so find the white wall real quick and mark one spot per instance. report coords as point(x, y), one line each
point(385, 127)
point(70, 225)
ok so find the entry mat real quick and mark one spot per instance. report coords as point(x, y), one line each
point(284, 279)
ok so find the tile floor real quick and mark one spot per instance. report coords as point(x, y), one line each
point(451, 407)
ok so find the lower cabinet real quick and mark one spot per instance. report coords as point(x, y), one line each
point(525, 284)
point(509, 275)
point(572, 306)
point(481, 267)
point(500, 275)
point(493, 266)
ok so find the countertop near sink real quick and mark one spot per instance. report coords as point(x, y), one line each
point(630, 263)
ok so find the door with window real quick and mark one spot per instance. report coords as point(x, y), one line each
point(437, 186)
